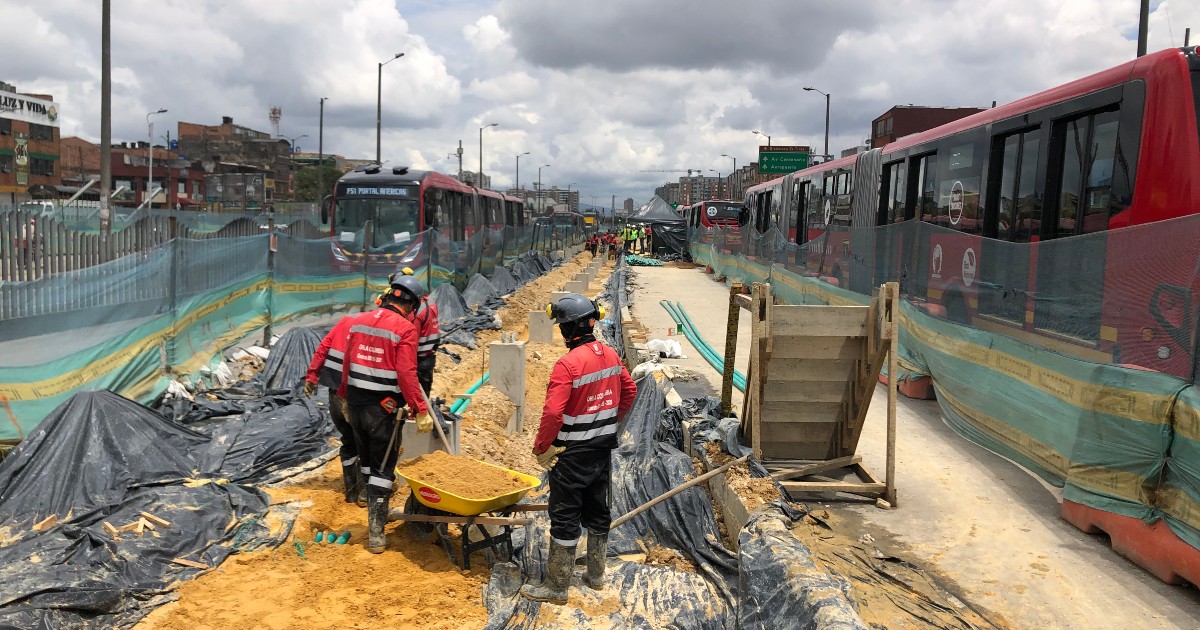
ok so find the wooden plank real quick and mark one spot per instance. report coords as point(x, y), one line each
point(842, 348)
point(46, 523)
point(893, 307)
point(832, 486)
point(530, 507)
point(112, 531)
point(817, 467)
point(805, 433)
point(826, 370)
point(819, 321)
point(154, 519)
point(190, 563)
point(798, 450)
point(790, 412)
point(805, 391)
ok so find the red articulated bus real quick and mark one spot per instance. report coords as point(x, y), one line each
point(704, 215)
point(1057, 173)
point(401, 204)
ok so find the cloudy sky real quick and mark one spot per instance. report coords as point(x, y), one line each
point(600, 89)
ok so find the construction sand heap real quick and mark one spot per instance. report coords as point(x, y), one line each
point(461, 476)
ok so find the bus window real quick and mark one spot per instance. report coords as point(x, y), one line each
point(958, 186)
point(1085, 184)
point(1018, 206)
point(892, 194)
point(927, 187)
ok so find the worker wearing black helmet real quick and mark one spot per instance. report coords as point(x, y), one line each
point(379, 378)
point(589, 392)
point(425, 318)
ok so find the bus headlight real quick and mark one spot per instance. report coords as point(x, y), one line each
point(1164, 352)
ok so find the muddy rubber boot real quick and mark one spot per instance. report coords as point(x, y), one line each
point(360, 498)
point(352, 480)
point(377, 516)
point(553, 589)
point(597, 557)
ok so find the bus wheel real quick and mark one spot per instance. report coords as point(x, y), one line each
point(956, 308)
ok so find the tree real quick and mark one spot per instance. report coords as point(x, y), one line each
point(306, 182)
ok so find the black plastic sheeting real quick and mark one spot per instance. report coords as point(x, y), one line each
point(102, 458)
point(450, 303)
point(771, 582)
point(281, 372)
point(504, 281)
point(479, 291)
point(526, 270)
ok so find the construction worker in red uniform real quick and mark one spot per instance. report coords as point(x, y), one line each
point(590, 391)
point(326, 369)
point(425, 318)
point(379, 378)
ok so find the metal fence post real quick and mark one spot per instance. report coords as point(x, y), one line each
point(272, 245)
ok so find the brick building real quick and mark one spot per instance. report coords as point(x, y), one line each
point(181, 181)
point(237, 151)
point(903, 120)
point(29, 149)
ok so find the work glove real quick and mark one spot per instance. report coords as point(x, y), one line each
point(424, 422)
point(549, 458)
point(310, 388)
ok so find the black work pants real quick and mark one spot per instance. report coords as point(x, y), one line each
point(425, 367)
point(374, 430)
point(579, 494)
point(349, 451)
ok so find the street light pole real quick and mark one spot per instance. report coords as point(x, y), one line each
point(825, 155)
point(481, 151)
point(150, 152)
point(713, 170)
point(379, 107)
point(540, 197)
point(517, 182)
point(321, 152)
point(765, 136)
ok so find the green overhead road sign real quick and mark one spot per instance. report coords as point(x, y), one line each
point(783, 159)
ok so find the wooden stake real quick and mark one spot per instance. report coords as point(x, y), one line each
point(731, 334)
point(154, 519)
point(112, 531)
point(46, 523)
point(190, 563)
point(893, 310)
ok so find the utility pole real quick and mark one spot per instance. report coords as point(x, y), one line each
point(1143, 26)
point(105, 125)
point(321, 153)
point(460, 154)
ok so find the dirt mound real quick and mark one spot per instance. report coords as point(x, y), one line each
point(412, 585)
point(753, 491)
point(461, 476)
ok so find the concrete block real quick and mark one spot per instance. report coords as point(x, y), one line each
point(574, 286)
point(418, 444)
point(541, 327)
point(507, 366)
point(555, 296)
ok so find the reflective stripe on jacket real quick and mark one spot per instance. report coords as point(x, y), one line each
point(326, 365)
point(381, 356)
point(589, 392)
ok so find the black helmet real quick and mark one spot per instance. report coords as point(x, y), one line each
point(409, 285)
point(573, 307)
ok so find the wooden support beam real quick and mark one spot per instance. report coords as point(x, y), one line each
point(816, 467)
point(852, 487)
point(731, 333)
point(154, 519)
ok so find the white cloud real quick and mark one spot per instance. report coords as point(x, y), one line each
point(600, 90)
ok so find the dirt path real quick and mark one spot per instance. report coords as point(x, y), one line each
point(412, 585)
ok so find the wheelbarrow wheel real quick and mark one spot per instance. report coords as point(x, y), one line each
point(421, 532)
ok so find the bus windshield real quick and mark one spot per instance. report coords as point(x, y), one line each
point(393, 221)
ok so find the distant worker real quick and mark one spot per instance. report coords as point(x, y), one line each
point(593, 242)
point(649, 239)
point(425, 318)
point(379, 379)
point(326, 369)
point(642, 238)
point(589, 393)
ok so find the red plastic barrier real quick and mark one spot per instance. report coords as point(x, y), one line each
point(1153, 547)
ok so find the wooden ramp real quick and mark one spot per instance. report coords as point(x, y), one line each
point(813, 370)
